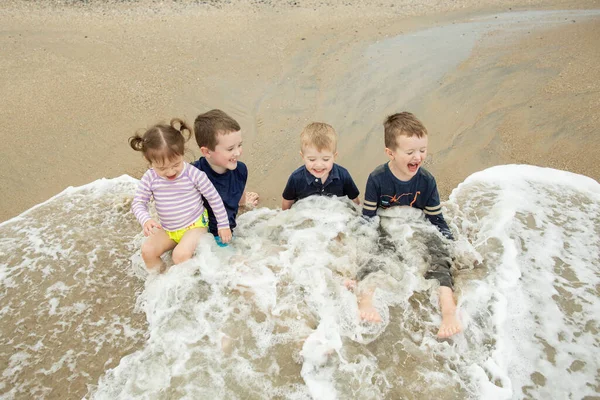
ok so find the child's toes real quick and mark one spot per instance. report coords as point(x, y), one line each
point(370, 316)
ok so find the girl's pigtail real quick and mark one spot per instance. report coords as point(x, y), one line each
point(137, 142)
point(181, 126)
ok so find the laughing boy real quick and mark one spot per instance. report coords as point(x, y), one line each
point(403, 182)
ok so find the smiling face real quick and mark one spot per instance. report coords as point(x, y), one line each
point(318, 163)
point(168, 169)
point(226, 153)
point(407, 157)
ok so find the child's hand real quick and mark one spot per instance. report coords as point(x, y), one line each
point(251, 200)
point(149, 227)
point(225, 235)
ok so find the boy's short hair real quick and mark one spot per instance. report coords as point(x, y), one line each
point(209, 125)
point(399, 124)
point(320, 135)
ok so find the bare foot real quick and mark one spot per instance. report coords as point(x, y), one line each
point(350, 284)
point(450, 323)
point(450, 326)
point(366, 310)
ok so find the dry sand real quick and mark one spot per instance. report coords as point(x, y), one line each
point(78, 79)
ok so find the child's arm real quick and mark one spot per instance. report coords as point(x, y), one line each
point(208, 191)
point(433, 212)
point(438, 220)
point(350, 188)
point(286, 204)
point(139, 206)
point(289, 195)
point(371, 198)
point(248, 199)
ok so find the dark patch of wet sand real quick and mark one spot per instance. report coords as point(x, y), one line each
point(530, 99)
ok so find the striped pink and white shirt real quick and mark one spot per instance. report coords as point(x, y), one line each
point(178, 202)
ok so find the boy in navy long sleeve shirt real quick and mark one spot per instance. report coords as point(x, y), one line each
point(403, 182)
point(220, 140)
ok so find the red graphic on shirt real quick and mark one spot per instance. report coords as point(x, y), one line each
point(395, 199)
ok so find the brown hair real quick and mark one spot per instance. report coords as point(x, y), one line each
point(320, 135)
point(209, 125)
point(399, 124)
point(162, 142)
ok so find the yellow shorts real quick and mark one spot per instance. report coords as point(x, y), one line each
point(178, 234)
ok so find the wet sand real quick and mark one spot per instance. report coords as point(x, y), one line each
point(78, 80)
point(532, 99)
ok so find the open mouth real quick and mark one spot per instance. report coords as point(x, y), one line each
point(171, 177)
point(413, 167)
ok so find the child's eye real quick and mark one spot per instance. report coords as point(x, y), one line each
point(326, 159)
point(311, 159)
point(410, 153)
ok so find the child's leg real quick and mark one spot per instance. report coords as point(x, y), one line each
point(371, 277)
point(441, 262)
point(450, 323)
point(154, 247)
point(185, 249)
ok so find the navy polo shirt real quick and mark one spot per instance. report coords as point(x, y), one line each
point(302, 184)
point(230, 185)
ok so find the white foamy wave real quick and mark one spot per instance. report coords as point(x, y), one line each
point(537, 230)
point(270, 316)
point(66, 291)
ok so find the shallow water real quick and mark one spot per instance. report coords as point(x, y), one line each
point(67, 291)
point(269, 316)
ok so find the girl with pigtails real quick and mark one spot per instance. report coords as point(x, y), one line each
point(178, 190)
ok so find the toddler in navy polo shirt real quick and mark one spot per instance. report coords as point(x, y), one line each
point(220, 140)
point(319, 175)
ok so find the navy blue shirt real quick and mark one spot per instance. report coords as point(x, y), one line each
point(302, 184)
point(230, 186)
point(385, 190)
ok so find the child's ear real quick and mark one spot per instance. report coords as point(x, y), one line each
point(389, 153)
point(205, 151)
point(301, 155)
point(335, 155)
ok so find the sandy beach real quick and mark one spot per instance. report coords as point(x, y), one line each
point(79, 79)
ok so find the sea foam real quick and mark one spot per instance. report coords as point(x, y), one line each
point(270, 317)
